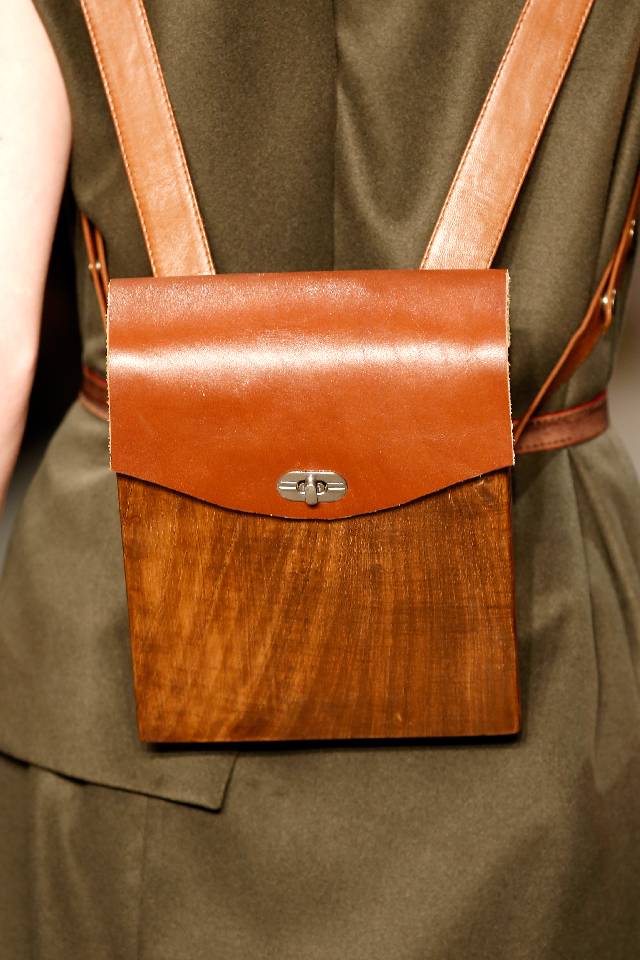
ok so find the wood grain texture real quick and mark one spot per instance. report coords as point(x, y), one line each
point(394, 624)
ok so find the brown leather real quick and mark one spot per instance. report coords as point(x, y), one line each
point(566, 428)
point(396, 380)
point(93, 393)
point(472, 220)
point(97, 263)
point(596, 321)
point(621, 255)
point(506, 135)
point(531, 432)
point(549, 431)
point(148, 137)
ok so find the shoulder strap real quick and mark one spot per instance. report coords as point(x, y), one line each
point(478, 205)
point(504, 139)
point(148, 136)
point(483, 192)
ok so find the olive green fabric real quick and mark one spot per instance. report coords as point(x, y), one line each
point(325, 134)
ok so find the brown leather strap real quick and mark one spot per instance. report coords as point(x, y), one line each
point(485, 187)
point(597, 320)
point(547, 432)
point(506, 134)
point(566, 428)
point(148, 136)
point(97, 263)
point(94, 394)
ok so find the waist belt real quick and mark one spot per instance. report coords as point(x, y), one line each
point(533, 432)
point(547, 431)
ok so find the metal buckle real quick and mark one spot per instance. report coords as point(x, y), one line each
point(312, 486)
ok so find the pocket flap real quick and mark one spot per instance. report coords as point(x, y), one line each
point(395, 381)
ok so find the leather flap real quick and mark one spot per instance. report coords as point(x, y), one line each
point(395, 380)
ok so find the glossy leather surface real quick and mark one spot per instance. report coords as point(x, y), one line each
point(396, 380)
point(547, 431)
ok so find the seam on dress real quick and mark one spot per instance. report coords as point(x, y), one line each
point(227, 783)
point(143, 864)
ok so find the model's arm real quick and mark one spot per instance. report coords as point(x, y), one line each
point(35, 136)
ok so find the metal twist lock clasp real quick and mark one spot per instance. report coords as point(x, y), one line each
point(312, 486)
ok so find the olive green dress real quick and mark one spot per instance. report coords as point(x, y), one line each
point(325, 134)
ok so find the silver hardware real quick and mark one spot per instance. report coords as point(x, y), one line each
point(312, 486)
point(605, 299)
point(605, 304)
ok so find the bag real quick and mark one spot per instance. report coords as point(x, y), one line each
point(313, 468)
point(289, 576)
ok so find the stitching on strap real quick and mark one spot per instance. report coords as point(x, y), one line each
point(550, 102)
point(546, 420)
point(141, 13)
point(564, 440)
point(474, 134)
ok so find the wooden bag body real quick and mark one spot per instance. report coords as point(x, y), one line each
point(386, 612)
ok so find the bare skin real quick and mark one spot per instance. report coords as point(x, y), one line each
point(35, 139)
